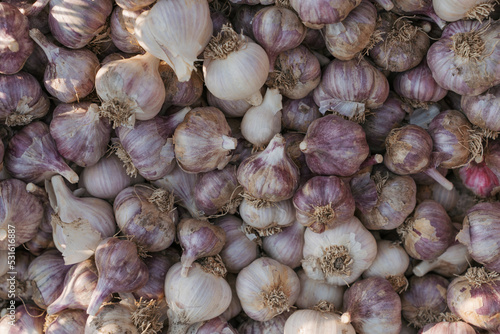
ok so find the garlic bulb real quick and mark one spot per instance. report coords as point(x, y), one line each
point(234, 307)
point(241, 247)
point(235, 67)
point(312, 321)
point(340, 254)
point(203, 142)
point(453, 262)
point(149, 218)
point(274, 326)
point(201, 296)
point(267, 288)
point(315, 14)
point(230, 108)
point(78, 224)
point(312, 292)
point(122, 38)
point(261, 123)
point(69, 321)
point(286, 246)
point(390, 263)
point(453, 10)
point(114, 318)
point(133, 4)
point(130, 89)
point(269, 217)
point(24, 319)
point(215, 325)
point(269, 175)
point(176, 31)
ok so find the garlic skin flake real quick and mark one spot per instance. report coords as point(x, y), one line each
point(176, 31)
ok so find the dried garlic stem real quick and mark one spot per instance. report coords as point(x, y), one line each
point(468, 45)
point(424, 317)
point(322, 215)
point(147, 316)
point(226, 42)
point(399, 283)
point(213, 265)
point(336, 261)
point(256, 202)
point(480, 12)
point(120, 112)
point(125, 159)
point(478, 276)
point(275, 299)
point(324, 307)
point(163, 200)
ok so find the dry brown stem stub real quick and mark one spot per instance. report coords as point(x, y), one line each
point(147, 316)
point(213, 265)
point(424, 316)
point(125, 159)
point(163, 200)
point(481, 11)
point(468, 45)
point(226, 42)
point(336, 261)
point(120, 112)
point(478, 276)
point(324, 307)
point(399, 283)
point(275, 299)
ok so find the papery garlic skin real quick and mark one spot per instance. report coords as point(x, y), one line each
point(286, 246)
point(115, 318)
point(313, 292)
point(276, 214)
point(267, 288)
point(176, 32)
point(70, 321)
point(453, 10)
point(28, 319)
point(311, 321)
point(203, 142)
point(339, 255)
point(122, 38)
point(315, 14)
point(274, 326)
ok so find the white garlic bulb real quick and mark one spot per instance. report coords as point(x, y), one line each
point(112, 319)
point(176, 31)
point(267, 288)
point(271, 215)
point(200, 296)
point(316, 322)
point(313, 292)
point(339, 255)
point(261, 123)
point(235, 67)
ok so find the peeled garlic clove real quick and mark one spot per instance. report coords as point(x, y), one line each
point(267, 218)
point(47, 273)
point(23, 101)
point(146, 216)
point(454, 261)
point(323, 202)
point(267, 288)
point(16, 45)
point(32, 156)
point(391, 263)
point(80, 134)
point(27, 319)
point(286, 246)
point(218, 191)
point(70, 74)
point(241, 248)
point(372, 306)
point(339, 255)
point(262, 122)
point(79, 284)
point(269, 175)
point(120, 270)
point(203, 142)
point(69, 321)
point(176, 32)
point(313, 292)
point(198, 238)
point(75, 23)
point(22, 214)
point(130, 89)
point(312, 321)
point(201, 296)
point(115, 318)
point(234, 67)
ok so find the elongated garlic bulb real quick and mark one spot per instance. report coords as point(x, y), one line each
point(339, 255)
point(176, 31)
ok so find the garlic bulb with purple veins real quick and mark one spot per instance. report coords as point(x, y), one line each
point(230, 108)
point(428, 232)
point(372, 307)
point(23, 289)
point(269, 175)
point(78, 224)
point(312, 292)
point(46, 273)
point(267, 288)
point(23, 101)
point(396, 199)
point(453, 262)
point(80, 134)
point(106, 178)
point(261, 123)
point(218, 191)
point(298, 114)
point(113, 318)
point(424, 300)
point(339, 255)
point(201, 296)
point(69, 321)
point(158, 265)
point(391, 263)
point(130, 89)
point(78, 286)
point(178, 93)
point(323, 202)
point(234, 307)
point(32, 156)
point(315, 14)
point(215, 325)
point(342, 159)
point(147, 215)
point(241, 247)
point(28, 319)
point(316, 321)
point(286, 246)
point(133, 4)
point(75, 23)
point(203, 142)
point(70, 74)
point(16, 45)
point(120, 270)
point(21, 214)
point(122, 38)
point(176, 32)
point(148, 146)
point(198, 238)
point(267, 218)
point(445, 327)
point(480, 234)
point(274, 326)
